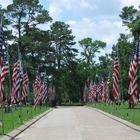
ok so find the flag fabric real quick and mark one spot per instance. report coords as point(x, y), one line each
point(5, 67)
point(99, 92)
point(1, 43)
point(133, 76)
point(16, 81)
point(90, 92)
point(51, 93)
point(116, 86)
point(37, 89)
point(37, 86)
point(44, 92)
point(107, 90)
point(103, 90)
point(4, 71)
point(25, 80)
point(94, 90)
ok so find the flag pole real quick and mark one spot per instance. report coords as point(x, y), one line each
point(0, 76)
point(121, 89)
point(20, 117)
point(120, 86)
point(9, 70)
point(108, 88)
point(10, 85)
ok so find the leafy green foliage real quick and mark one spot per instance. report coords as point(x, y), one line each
point(125, 50)
point(131, 19)
point(90, 48)
point(54, 51)
point(62, 42)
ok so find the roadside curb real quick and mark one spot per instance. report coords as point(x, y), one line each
point(17, 131)
point(128, 124)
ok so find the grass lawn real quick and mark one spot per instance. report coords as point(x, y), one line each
point(18, 117)
point(123, 111)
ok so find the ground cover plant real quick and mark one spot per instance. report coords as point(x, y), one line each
point(18, 116)
point(122, 111)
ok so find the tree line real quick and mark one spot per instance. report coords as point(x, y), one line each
point(55, 53)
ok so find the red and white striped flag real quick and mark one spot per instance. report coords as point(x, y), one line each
point(116, 86)
point(90, 92)
point(133, 76)
point(5, 71)
point(99, 92)
point(44, 90)
point(107, 90)
point(103, 90)
point(25, 81)
point(4, 66)
point(1, 43)
point(94, 91)
point(37, 89)
point(16, 81)
point(51, 92)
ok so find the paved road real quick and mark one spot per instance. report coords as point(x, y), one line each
point(78, 123)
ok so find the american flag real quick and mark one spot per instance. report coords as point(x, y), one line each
point(5, 65)
point(133, 76)
point(5, 70)
point(1, 43)
point(37, 89)
point(107, 90)
point(44, 91)
point(116, 86)
point(94, 89)
point(91, 92)
point(25, 81)
point(99, 92)
point(51, 92)
point(103, 90)
point(16, 81)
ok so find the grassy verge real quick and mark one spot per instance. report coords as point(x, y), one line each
point(17, 117)
point(123, 111)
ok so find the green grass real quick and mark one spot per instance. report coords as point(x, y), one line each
point(123, 111)
point(12, 121)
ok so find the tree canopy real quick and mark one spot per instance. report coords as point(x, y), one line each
point(54, 50)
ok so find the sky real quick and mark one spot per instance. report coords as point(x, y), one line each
point(97, 19)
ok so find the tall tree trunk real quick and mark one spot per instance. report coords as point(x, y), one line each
point(58, 90)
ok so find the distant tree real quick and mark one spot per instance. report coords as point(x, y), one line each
point(90, 47)
point(105, 65)
point(24, 17)
point(62, 41)
point(125, 51)
point(131, 19)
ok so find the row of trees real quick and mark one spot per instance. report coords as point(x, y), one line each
point(54, 52)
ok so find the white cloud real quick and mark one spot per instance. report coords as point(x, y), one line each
point(97, 19)
point(5, 3)
point(105, 30)
point(135, 3)
point(55, 11)
point(86, 20)
point(85, 4)
point(66, 4)
point(71, 22)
